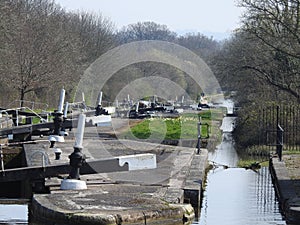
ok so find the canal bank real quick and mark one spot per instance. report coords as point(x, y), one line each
point(165, 195)
point(286, 178)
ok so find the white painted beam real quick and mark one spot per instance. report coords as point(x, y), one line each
point(139, 162)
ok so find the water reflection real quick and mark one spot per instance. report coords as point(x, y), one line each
point(239, 196)
point(225, 154)
point(236, 196)
point(13, 214)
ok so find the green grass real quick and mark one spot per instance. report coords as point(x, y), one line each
point(290, 152)
point(184, 127)
point(243, 163)
point(36, 119)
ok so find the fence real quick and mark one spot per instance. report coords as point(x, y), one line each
point(277, 119)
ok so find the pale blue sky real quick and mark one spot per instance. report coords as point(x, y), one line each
point(205, 16)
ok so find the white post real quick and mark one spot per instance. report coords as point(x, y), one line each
point(61, 101)
point(2, 161)
point(17, 119)
point(80, 131)
point(99, 99)
point(137, 107)
point(66, 109)
point(82, 94)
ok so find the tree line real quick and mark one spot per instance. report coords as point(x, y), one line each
point(262, 62)
point(44, 48)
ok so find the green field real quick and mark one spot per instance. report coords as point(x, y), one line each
point(183, 127)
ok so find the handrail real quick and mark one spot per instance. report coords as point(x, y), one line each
point(37, 115)
point(21, 108)
point(32, 102)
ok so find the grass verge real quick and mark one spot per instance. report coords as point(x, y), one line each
point(183, 127)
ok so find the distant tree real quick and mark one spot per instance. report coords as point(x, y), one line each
point(145, 31)
point(200, 44)
point(206, 48)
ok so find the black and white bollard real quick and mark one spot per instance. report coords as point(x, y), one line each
point(77, 159)
point(57, 152)
point(63, 131)
point(99, 109)
point(58, 122)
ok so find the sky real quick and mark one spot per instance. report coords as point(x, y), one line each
point(217, 18)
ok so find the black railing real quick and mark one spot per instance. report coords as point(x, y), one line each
point(280, 127)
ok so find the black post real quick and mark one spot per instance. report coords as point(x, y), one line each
point(58, 117)
point(199, 135)
point(77, 159)
point(58, 122)
point(279, 142)
point(279, 136)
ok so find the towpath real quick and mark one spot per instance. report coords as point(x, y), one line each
point(286, 174)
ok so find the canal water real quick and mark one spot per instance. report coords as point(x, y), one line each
point(13, 214)
point(237, 196)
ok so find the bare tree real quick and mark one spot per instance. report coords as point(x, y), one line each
point(95, 34)
point(36, 50)
point(275, 26)
point(44, 48)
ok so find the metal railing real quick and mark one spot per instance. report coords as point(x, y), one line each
point(280, 124)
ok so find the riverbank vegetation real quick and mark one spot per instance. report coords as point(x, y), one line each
point(44, 48)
